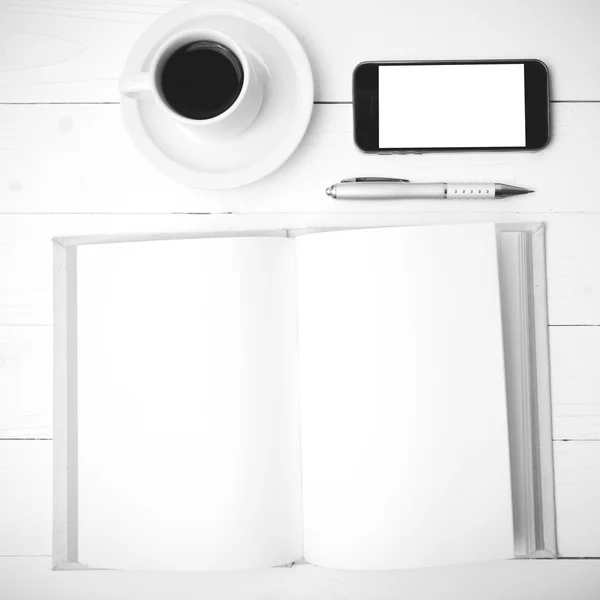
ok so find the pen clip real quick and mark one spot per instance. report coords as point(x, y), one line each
point(367, 179)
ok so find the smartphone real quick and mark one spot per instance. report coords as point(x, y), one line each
point(433, 106)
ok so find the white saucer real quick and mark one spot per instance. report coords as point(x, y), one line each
point(268, 142)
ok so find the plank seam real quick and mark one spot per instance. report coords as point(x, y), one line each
point(408, 213)
point(577, 440)
point(49, 439)
point(32, 439)
point(580, 325)
point(25, 555)
point(316, 102)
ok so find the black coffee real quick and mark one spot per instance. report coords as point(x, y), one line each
point(201, 80)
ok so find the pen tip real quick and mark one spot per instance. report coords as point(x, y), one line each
point(329, 191)
point(503, 190)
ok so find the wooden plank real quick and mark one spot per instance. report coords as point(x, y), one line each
point(25, 500)
point(26, 299)
point(26, 506)
point(25, 382)
point(78, 158)
point(25, 497)
point(576, 468)
point(573, 249)
point(575, 382)
point(26, 578)
point(73, 51)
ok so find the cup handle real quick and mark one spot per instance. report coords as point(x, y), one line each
point(139, 83)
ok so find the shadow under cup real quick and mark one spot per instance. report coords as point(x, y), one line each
point(200, 80)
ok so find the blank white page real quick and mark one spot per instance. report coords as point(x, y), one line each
point(404, 429)
point(188, 425)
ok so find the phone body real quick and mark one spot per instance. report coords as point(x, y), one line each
point(441, 106)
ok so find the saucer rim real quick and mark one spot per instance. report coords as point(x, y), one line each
point(267, 162)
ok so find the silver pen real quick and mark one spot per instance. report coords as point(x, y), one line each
point(387, 188)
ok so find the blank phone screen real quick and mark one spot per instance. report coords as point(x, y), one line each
point(452, 106)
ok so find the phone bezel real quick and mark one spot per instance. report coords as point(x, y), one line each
point(365, 103)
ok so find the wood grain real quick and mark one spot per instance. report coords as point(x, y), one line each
point(79, 159)
point(574, 353)
point(73, 51)
point(576, 468)
point(25, 498)
point(25, 382)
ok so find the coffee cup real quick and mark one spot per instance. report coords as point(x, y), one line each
point(204, 80)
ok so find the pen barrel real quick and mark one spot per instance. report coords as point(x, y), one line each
point(377, 190)
point(470, 191)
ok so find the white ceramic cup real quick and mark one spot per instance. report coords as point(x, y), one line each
point(229, 123)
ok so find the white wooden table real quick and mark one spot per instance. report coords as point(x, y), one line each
point(67, 167)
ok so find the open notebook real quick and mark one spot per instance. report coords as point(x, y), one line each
point(248, 401)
